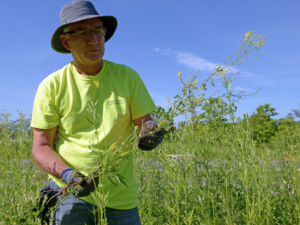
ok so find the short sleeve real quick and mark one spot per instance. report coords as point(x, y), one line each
point(44, 114)
point(141, 101)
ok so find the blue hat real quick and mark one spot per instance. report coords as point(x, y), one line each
point(77, 11)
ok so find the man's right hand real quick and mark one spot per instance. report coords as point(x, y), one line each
point(86, 186)
point(147, 141)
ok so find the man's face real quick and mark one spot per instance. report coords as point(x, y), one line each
point(88, 51)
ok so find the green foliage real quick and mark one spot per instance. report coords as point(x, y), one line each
point(264, 128)
point(296, 112)
point(211, 113)
point(288, 131)
point(158, 115)
point(190, 179)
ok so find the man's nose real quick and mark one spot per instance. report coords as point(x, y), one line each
point(93, 39)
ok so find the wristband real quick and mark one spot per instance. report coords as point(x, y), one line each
point(66, 175)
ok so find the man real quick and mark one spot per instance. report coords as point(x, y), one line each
point(61, 132)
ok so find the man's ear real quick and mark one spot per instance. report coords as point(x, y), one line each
point(65, 42)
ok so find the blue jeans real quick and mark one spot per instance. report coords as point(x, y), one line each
point(73, 211)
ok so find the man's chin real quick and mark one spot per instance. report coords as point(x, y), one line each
point(94, 59)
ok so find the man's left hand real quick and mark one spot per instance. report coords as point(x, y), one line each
point(86, 185)
point(147, 141)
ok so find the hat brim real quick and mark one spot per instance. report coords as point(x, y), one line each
point(110, 22)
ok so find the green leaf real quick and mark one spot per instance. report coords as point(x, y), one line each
point(89, 120)
point(121, 178)
point(112, 181)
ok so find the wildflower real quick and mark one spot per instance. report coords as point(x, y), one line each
point(222, 73)
point(258, 43)
point(124, 153)
point(199, 98)
point(200, 88)
point(113, 146)
point(247, 35)
point(238, 118)
point(284, 181)
point(194, 83)
point(179, 74)
point(169, 99)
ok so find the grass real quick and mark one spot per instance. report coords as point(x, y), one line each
point(235, 182)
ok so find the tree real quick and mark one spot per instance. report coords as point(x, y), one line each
point(264, 128)
point(296, 112)
point(287, 130)
point(212, 112)
point(158, 114)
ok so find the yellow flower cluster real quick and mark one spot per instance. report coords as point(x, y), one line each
point(124, 153)
point(247, 35)
point(113, 146)
point(194, 83)
point(169, 99)
point(179, 74)
point(199, 98)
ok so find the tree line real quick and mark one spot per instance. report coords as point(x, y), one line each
point(263, 127)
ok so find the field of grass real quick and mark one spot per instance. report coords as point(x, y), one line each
point(189, 179)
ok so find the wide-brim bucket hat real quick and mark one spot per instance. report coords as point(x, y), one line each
point(77, 11)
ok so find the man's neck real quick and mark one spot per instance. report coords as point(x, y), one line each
point(89, 70)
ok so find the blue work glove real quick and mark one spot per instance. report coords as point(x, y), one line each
point(87, 186)
point(147, 141)
point(66, 175)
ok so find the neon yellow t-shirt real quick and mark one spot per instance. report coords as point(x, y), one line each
point(122, 97)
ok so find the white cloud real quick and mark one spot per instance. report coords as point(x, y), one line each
point(194, 62)
point(189, 60)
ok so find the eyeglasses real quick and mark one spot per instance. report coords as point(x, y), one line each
point(85, 34)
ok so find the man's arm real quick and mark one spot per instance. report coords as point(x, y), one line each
point(43, 151)
point(140, 121)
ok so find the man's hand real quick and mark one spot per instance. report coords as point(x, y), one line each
point(147, 141)
point(86, 186)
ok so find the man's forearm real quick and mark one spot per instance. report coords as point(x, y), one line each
point(139, 122)
point(49, 160)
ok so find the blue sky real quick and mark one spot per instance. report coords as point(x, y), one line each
point(158, 39)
